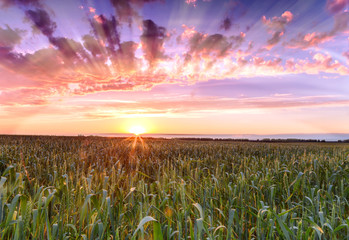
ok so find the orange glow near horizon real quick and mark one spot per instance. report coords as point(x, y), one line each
point(137, 130)
point(172, 67)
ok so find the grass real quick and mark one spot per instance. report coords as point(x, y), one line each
point(108, 188)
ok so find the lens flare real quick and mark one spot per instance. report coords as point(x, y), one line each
point(137, 130)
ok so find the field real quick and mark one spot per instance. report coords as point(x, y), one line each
point(109, 188)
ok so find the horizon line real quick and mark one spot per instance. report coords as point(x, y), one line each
point(252, 137)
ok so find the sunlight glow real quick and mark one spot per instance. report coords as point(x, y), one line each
point(137, 130)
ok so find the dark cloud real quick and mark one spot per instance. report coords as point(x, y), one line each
point(9, 59)
point(42, 21)
point(126, 10)
point(226, 24)
point(206, 45)
point(209, 48)
point(43, 63)
point(106, 29)
point(275, 39)
point(152, 39)
point(215, 45)
point(236, 10)
point(69, 48)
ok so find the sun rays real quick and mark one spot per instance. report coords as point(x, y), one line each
point(137, 130)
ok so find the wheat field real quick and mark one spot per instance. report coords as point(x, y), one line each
point(111, 188)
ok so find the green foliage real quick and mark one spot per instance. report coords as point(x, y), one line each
point(109, 188)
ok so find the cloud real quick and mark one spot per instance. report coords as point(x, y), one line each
point(226, 24)
point(124, 60)
point(45, 62)
point(27, 96)
point(8, 3)
point(278, 23)
point(209, 48)
point(209, 44)
point(99, 61)
point(91, 66)
point(132, 82)
point(71, 50)
point(47, 69)
point(319, 63)
point(258, 61)
point(42, 21)
point(304, 41)
point(346, 54)
point(110, 86)
point(191, 2)
point(203, 105)
point(335, 6)
point(42, 65)
point(341, 23)
point(92, 45)
point(106, 30)
point(152, 40)
point(277, 26)
point(236, 10)
point(126, 10)
point(309, 40)
point(10, 37)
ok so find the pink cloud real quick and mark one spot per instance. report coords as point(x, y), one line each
point(304, 41)
point(288, 16)
point(310, 40)
point(25, 96)
point(278, 23)
point(191, 2)
point(101, 62)
point(197, 105)
point(277, 26)
point(346, 54)
point(335, 6)
point(208, 48)
point(319, 63)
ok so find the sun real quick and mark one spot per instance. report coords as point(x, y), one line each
point(137, 130)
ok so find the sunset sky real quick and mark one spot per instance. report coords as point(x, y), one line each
point(181, 66)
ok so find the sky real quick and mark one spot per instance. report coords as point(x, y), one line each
point(182, 67)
